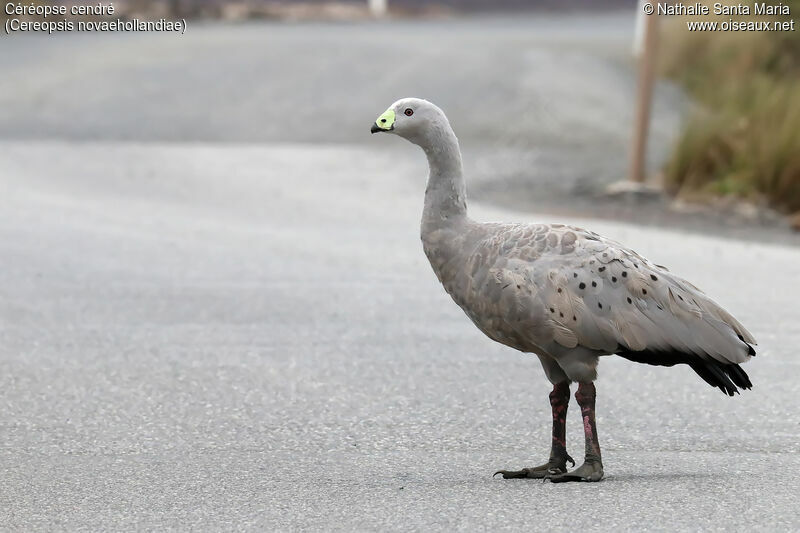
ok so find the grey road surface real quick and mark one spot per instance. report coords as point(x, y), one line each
point(544, 98)
point(548, 97)
point(210, 337)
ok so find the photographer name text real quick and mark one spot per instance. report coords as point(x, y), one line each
point(757, 8)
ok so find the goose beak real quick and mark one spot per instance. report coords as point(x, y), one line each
point(385, 122)
point(380, 127)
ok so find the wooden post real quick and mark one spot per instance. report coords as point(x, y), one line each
point(644, 96)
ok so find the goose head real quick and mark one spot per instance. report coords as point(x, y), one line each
point(414, 119)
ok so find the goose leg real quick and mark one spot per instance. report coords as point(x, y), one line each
point(592, 467)
point(559, 401)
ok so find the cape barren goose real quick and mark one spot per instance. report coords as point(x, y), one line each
point(564, 293)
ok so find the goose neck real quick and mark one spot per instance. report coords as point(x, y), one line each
point(445, 196)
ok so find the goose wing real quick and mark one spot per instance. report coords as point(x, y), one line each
point(613, 300)
point(615, 297)
point(598, 294)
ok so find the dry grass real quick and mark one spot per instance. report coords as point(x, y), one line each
point(745, 141)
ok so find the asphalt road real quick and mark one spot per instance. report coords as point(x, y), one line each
point(540, 98)
point(215, 313)
point(545, 97)
point(249, 338)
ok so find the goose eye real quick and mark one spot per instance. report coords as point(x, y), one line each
point(409, 112)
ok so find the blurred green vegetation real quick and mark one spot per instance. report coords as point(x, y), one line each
point(744, 140)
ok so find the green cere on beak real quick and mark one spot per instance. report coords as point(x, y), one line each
point(384, 122)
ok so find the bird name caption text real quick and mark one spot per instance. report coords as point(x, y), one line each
point(96, 17)
point(766, 16)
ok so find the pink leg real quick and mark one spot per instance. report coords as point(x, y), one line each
point(559, 401)
point(586, 395)
point(592, 467)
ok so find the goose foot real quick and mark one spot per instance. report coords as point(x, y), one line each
point(591, 470)
point(554, 467)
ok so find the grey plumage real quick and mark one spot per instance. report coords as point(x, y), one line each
point(566, 294)
point(570, 296)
